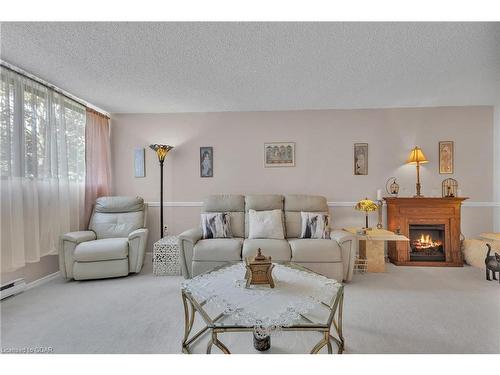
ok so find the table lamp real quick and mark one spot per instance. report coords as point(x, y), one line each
point(161, 152)
point(417, 157)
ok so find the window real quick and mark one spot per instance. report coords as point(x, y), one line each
point(42, 168)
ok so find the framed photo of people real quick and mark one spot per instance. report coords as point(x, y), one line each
point(206, 161)
point(446, 157)
point(279, 154)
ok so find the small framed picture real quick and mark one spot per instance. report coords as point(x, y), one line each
point(360, 159)
point(139, 164)
point(206, 161)
point(279, 154)
point(446, 156)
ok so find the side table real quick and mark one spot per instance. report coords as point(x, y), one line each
point(166, 257)
point(371, 246)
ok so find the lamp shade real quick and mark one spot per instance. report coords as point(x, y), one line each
point(161, 151)
point(416, 156)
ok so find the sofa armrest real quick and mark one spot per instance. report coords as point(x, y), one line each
point(137, 241)
point(67, 245)
point(187, 240)
point(349, 245)
point(78, 237)
point(191, 235)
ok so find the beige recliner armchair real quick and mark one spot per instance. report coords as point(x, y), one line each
point(113, 246)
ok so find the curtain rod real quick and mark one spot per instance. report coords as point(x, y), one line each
point(42, 82)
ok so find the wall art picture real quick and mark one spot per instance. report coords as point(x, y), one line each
point(360, 159)
point(206, 161)
point(446, 156)
point(279, 154)
point(139, 164)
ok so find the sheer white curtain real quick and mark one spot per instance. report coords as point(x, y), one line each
point(42, 169)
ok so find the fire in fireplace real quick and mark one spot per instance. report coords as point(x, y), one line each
point(427, 242)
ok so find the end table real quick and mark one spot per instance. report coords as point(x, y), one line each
point(371, 246)
point(166, 257)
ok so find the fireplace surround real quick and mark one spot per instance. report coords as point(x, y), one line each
point(433, 227)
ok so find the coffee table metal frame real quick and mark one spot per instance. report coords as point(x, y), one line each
point(214, 326)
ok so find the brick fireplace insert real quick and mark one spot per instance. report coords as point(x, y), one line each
point(433, 227)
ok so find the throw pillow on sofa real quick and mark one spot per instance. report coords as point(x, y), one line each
point(265, 224)
point(216, 225)
point(315, 225)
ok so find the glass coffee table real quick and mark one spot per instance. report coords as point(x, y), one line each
point(301, 300)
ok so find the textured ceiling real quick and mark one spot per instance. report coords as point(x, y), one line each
point(204, 67)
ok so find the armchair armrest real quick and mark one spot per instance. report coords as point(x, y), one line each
point(78, 237)
point(137, 241)
point(349, 246)
point(187, 240)
point(67, 245)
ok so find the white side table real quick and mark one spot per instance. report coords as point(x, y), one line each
point(166, 257)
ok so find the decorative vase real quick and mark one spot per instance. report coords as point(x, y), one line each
point(261, 343)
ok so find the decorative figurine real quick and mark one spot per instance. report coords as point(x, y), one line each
point(259, 270)
point(492, 264)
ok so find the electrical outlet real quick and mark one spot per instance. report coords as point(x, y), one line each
point(165, 230)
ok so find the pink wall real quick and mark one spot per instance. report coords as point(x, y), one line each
point(324, 156)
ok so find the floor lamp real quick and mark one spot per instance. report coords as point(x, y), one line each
point(161, 152)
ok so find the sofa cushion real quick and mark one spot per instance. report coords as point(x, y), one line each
point(293, 222)
point(98, 250)
point(313, 250)
point(119, 204)
point(263, 202)
point(315, 225)
point(218, 249)
point(278, 250)
point(113, 225)
point(294, 204)
point(309, 203)
point(224, 203)
point(216, 225)
point(231, 203)
point(266, 224)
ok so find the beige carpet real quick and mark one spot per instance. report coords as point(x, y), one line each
point(406, 310)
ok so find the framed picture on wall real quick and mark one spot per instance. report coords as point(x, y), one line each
point(360, 159)
point(206, 161)
point(446, 156)
point(139, 164)
point(279, 154)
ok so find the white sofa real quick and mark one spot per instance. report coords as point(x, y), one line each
point(333, 257)
point(113, 246)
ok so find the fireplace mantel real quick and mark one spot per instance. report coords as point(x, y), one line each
point(401, 212)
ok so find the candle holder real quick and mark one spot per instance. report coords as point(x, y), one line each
point(380, 203)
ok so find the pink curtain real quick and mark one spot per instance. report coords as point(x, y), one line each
point(97, 160)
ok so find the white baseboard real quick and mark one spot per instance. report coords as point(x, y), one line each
point(42, 280)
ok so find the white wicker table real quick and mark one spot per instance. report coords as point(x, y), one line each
point(166, 257)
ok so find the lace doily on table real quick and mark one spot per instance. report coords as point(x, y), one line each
point(296, 292)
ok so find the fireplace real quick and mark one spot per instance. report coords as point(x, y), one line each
point(432, 226)
point(427, 242)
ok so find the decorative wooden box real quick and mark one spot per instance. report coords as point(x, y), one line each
point(259, 270)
